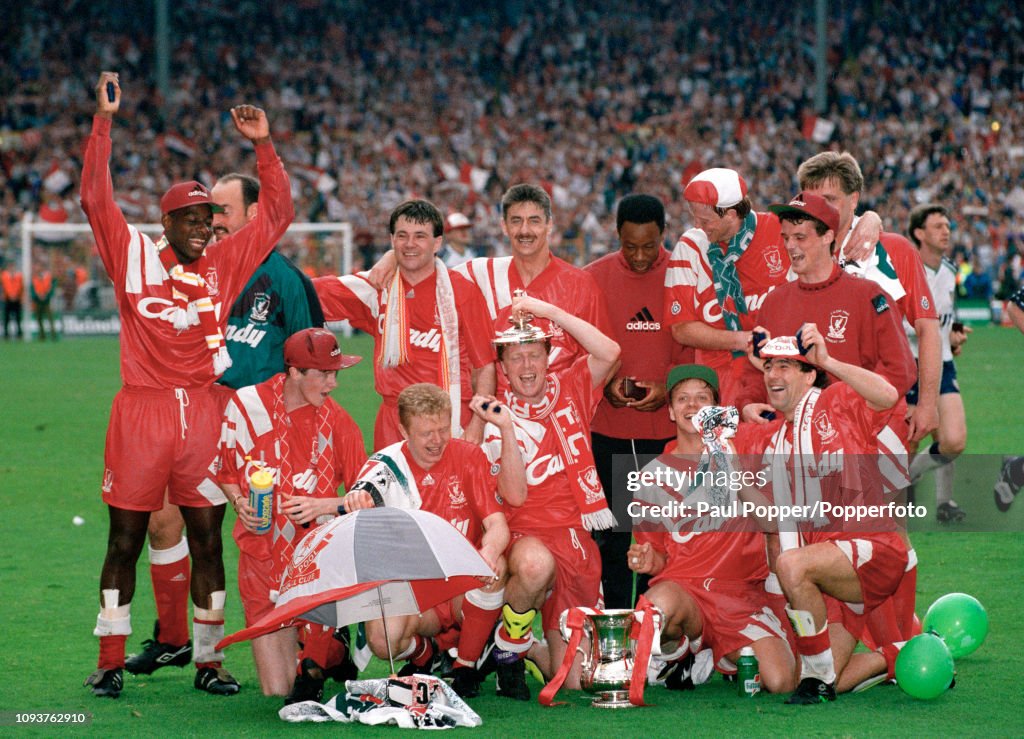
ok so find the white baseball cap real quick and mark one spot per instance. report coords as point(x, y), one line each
point(717, 188)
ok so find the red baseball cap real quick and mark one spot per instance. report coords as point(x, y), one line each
point(810, 206)
point(316, 348)
point(717, 187)
point(185, 194)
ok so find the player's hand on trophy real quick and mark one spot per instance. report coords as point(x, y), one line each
point(523, 304)
point(108, 94)
point(251, 122)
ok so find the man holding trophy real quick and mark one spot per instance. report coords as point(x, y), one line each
point(553, 562)
point(708, 569)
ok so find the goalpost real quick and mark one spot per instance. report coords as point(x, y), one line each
point(331, 242)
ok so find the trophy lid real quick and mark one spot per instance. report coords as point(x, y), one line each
point(521, 331)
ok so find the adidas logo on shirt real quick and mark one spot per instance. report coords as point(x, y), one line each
point(643, 321)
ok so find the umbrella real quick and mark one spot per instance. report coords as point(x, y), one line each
point(360, 565)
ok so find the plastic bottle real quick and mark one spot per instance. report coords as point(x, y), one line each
point(261, 497)
point(748, 675)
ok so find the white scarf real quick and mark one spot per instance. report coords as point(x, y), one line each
point(793, 454)
point(395, 339)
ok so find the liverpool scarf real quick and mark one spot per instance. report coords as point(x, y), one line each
point(319, 463)
point(193, 306)
point(394, 346)
point(559, 417)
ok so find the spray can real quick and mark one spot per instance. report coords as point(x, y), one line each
point(748, 675)
point(261, 497)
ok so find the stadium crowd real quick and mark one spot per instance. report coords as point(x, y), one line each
point(455, 101)
point(367, 122)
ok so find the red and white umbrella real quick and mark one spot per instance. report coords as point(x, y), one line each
point(365, 564)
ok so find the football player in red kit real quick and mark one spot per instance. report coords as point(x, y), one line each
point(173, 298)
point(708, 572)
point(553, 562)
point(822, 442)
point(289, 426)
point(428, 324)
point(454, 480)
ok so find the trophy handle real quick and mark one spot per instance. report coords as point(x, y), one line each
point(588, 632)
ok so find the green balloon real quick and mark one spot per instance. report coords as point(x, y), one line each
point(924, 667)
point(960, 620)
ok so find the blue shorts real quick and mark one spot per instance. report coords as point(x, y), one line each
point(947, 384)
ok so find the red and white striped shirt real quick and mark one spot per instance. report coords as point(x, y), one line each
point(154, 353)
point(561, 284)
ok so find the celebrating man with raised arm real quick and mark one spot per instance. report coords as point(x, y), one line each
point(164, 424)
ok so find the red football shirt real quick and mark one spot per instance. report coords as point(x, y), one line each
point(154, 353)
point(560, 428)
point(690, 292)
point(635, 306)
point(561, 284)
point(729, 552)
point(906, 260)
point(352, 297)
point(856, 318)
point(250, 429)
point(836, 459)
point(461, 487)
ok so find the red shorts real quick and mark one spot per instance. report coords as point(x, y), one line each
point(157, 442)
point(880, 561)
point(446, 615)
point(734, 614)
point(254, 586)
point(577, 571)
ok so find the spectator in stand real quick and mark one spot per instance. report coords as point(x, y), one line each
point(458, 237)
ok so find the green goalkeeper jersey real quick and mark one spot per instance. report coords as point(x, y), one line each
point(277, 301)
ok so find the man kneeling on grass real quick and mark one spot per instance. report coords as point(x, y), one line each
point(708, 572)
point(553, 561)
point(451, 478)
point(826, 440)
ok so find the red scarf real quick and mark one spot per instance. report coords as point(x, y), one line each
point(560, 415)
point(646, 628)
point(193, 304)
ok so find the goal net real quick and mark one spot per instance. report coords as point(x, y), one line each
point(84, 300)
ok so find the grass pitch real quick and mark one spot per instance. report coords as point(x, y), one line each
point(55, 401)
